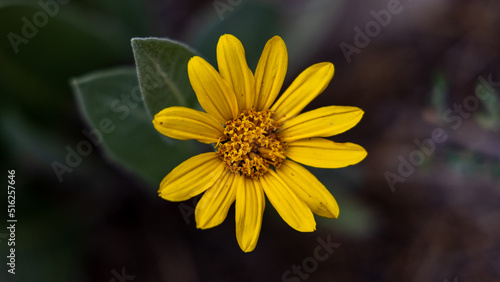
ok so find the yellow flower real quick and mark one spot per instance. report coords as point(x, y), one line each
point(258, 144)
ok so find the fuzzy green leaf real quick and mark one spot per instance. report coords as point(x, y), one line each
point(113, 106)
point(162, 71)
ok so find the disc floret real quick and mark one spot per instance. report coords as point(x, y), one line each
point(250, 144)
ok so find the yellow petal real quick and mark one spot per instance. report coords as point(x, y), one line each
point(270, 73)
point(307, 86)
point(323, 153)
point(185, 123)
point(213, 206)
point(308, 188)
point(322, 122)
point(250, 203)
point(191, 177)
point(291, 208)
point(214, 93)
point(234, 69)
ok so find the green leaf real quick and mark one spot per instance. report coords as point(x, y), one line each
point(162, 71)
point(112, 104)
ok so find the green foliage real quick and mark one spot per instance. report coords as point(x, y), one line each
point(111, 102)
point(162, 71)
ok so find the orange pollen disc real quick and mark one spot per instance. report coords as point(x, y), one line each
point(250, 144)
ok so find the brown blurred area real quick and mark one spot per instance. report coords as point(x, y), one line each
point(443, 221)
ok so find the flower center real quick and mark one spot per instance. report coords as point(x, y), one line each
point(250, 144)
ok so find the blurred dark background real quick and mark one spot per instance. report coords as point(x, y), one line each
point(407, 213)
